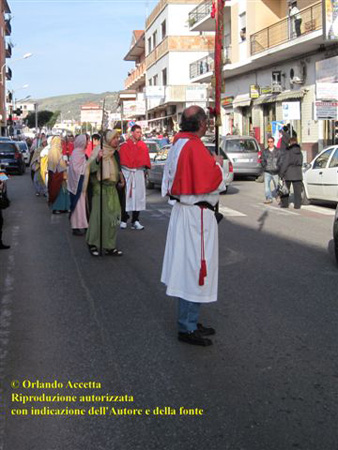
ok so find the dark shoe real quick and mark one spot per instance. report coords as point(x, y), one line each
point(4, 247)
point(93, 250)
point(205, 331)
point(77, 232)
point(113, 252)
point(57, 212)
point(194, 338)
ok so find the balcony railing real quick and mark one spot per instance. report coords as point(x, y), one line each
point(207, 64)
point(287, 30)
point(8, 27)
point(157, 53)
point(8, 74)
point(135, 75)
point(200, 12)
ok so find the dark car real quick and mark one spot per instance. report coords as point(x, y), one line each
point(11, 159)
point(335, 233)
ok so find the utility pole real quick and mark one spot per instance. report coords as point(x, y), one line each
point(218, 67)
point(36, 117)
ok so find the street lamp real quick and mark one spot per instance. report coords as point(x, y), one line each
point(25, 56)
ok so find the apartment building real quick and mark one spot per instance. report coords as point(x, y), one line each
point(270, 57)
point(5, 52)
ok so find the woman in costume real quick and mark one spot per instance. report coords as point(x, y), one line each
point(76, 175)
point(111, 212)
point(39, 185)
point(58, 197)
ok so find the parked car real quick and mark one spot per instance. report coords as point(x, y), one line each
point(244, 153)
point(24, 150)
point(155, 174)
point(335, 233)
point(320, 177)
point(11, 159)
point(153, 147)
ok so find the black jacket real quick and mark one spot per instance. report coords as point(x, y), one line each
point(270, 160)
point(291, 164)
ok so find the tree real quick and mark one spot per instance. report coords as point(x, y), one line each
point(43, 118)
point(52, 121)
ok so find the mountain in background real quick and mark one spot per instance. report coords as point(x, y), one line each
point(70, 105)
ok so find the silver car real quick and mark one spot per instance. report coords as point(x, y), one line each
point(244, 153)
point(335, 234)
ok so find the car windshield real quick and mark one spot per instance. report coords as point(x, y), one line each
point(22, 146)
point(153, 148)
point(241, 145)
point(7, 148)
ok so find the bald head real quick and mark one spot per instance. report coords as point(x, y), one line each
point(194, 120)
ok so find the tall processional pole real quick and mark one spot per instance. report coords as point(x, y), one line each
point(101, 181)
point(219, 13)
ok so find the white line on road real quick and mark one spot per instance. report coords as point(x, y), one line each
point(319, 210)
point(227, 212)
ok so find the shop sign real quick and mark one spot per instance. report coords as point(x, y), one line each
point(327, 79)
point(134, 108)
point(266, 90)
point(196, 93)
point(330, 20)
point(291, 110)
point(155, 91)
point(254, 91)
point(326, 110)
point(227, 101)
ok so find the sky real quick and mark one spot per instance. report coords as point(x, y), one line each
point(77, 45)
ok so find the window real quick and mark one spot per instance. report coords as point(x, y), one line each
point(155, 79)
point(150, 82)
point(322, 160)
point(164, 29)
point(164, 77)
point(242, 26)
point(149, 45)
point(154, 39)
point(334, 159)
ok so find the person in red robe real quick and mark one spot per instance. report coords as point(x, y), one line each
point(134, 159)
point(193, 179)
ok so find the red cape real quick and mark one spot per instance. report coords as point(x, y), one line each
point(197, 172)
point(134, 155)
point(67, 147)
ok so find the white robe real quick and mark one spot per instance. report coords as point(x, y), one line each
point(135, 189)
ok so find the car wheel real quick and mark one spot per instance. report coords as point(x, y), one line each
point(149, 184)
point(305, 199)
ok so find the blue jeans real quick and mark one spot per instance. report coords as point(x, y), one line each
point(188, 313)
point(268, 177)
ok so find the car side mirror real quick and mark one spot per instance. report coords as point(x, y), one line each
point(306, 166)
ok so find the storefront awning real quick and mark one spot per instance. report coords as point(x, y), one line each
point(240, 101)
point(290, 95)
point(266, 98)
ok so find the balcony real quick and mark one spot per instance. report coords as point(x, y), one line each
point(136, 78)
point(8, 27)
point(206, 65)
point(201, 13)
point(157, 53)
point(8, 51)
point(284, 31)
point(8, 74)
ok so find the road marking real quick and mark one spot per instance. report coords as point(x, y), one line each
point(319, 210)
point(227, 212)
point(277, 210)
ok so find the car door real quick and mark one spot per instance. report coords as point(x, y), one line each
point(330, 178)
point(314, 176)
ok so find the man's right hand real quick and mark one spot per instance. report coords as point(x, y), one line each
point(219, 159)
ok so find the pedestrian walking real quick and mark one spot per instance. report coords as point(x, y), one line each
point(192, 178)
point(76, 175)
point(39, 184)
point(270, 167)
point(134, 157)
point(291, 172)
point(111, 212)
point(58, 196)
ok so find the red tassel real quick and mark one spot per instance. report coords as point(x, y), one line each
point(203, 272)
point(213, 10)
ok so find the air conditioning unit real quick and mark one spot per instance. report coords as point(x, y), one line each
point(276, 88)
point(298, 73)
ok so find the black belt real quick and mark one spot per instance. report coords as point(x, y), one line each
point(200, 204)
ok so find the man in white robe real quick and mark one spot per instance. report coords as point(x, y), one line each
point(193, 179)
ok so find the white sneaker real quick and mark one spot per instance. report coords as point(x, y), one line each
point(123, 225)
point(137, 226)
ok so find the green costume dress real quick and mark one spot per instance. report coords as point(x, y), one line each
point(111, 211)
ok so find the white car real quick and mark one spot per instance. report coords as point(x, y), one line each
point(320, 177)
point(335, 234)
point(25, 151)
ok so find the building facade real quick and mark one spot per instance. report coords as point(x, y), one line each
point(5, 52)
point(270, 56)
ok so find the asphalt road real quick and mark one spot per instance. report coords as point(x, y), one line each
point(269, 382)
